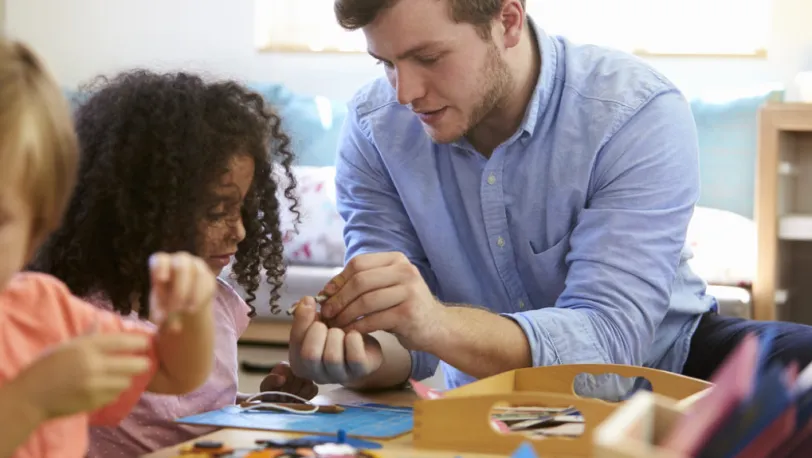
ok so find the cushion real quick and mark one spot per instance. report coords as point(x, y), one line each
point(319, 239)
point(727, 127)
point(312, 122)
point(724, 246)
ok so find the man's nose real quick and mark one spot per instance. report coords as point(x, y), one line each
point(409, 86)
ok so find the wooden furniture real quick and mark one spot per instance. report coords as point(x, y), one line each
point(782, 288)
point(265, 331)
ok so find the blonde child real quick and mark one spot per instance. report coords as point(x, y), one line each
point(67, 364)
point(173, 162)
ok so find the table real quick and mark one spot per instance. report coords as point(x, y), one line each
point(400, 447)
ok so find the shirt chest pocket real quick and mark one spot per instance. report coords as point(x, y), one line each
point(544, 273)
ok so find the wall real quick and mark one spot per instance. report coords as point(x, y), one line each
point(82, 38)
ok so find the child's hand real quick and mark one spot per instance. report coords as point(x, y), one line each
point(83, 374)
point(181, 283)
point(281, 378)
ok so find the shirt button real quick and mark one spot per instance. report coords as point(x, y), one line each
point(521, 304)
point(500, 241)
point(491, 179)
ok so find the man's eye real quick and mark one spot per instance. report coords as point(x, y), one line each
point(428, 60)
point(384, 63)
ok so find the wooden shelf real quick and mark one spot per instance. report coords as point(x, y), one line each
point(783, 212)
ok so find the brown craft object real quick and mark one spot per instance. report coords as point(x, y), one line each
point(194, 452)
point(319, 299)
point(294, 406)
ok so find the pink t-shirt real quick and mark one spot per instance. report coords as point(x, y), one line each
point(150, 426)
point(38, 313)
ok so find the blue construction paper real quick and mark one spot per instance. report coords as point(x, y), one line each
point(386, 422)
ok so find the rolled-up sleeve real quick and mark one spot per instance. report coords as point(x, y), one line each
point(626, 244)
point(374, 216)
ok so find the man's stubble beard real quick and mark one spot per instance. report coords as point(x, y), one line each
point(498, 82)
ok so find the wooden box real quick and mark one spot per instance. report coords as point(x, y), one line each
point(460, 421)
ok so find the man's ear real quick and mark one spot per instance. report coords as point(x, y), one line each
point(512, 21)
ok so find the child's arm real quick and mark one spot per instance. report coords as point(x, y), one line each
point(183, 289)
point(18, 419)
point(78, 376)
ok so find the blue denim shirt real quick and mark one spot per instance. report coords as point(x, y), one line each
point(575, 227)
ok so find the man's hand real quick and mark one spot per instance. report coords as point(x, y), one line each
point(329, 355)
point(83, 374)
point(384, 292)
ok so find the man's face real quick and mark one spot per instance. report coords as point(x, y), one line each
point(444, 71)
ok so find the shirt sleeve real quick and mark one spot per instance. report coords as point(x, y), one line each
point(625, 246)
point(83, 318)
point(375, 219)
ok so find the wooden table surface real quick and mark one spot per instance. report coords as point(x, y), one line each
point(400, 447)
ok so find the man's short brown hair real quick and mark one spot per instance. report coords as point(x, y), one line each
point(37, 138)
point(355, 14)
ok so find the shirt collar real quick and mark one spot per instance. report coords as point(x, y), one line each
point(542, 93)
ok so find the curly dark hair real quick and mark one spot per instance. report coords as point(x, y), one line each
point(151, 147)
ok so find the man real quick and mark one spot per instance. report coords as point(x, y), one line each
point(511, 200)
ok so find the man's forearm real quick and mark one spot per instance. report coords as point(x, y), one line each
point(186, 356)
point(395, 367)
point(480, 343)
point(17, 420)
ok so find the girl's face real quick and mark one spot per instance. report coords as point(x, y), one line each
point(16, 227)
point(221, 227)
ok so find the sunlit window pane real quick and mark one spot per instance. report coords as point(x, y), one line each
point(651, 26)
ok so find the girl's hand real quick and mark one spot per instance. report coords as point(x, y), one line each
point(181, 284)
point(281, 378)
point(82, 375)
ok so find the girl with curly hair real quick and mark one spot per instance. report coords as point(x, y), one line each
point(172, 162)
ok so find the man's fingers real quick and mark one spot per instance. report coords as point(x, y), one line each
point(333, 356)
point(379, 321)
point(356, 356)
point(312, 350)
point(359, 284)
point(360, 263)
point(126, 365)
point(371, 302)
point(303, 318)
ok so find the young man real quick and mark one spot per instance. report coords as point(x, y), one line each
point(511, 200)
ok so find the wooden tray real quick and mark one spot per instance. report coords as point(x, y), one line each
point(461, 420)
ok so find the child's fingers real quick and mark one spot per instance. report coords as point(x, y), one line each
point(202, 285)
point(126, 365)
point(117, 342)
point(160, 265)
point(309, 391)
point(181, 282)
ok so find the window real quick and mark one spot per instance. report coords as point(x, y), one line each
point(648, 27)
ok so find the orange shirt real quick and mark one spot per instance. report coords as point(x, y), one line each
point(37, 312)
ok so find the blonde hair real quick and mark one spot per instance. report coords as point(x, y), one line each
point(37, 138)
